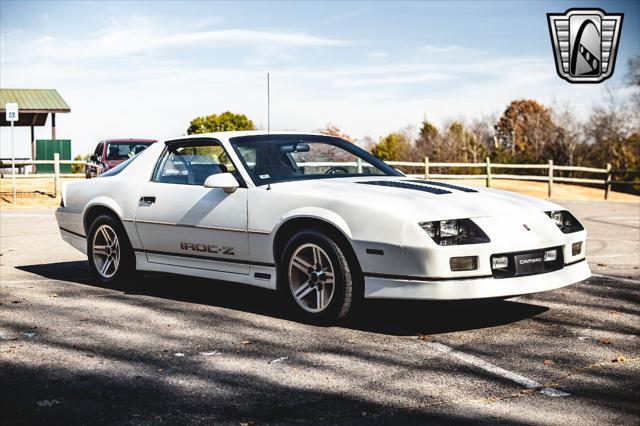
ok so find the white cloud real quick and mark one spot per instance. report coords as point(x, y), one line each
point(139, 35)
point(391, 80)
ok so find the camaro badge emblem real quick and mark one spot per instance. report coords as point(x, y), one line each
point(585, 43)
point(526, 227)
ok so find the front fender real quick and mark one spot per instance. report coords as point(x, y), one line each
point(317, 213)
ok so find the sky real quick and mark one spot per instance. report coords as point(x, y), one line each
point(145, 69)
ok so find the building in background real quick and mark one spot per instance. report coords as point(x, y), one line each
point(35, 105)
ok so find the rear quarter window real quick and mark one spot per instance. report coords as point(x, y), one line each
point(120, 167)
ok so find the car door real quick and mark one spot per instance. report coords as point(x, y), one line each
point(182, 223)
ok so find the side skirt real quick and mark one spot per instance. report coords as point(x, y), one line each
point(259, 276)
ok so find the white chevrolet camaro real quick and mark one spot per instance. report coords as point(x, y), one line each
point(318, 219)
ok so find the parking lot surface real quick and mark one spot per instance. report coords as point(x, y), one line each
point(168, 349)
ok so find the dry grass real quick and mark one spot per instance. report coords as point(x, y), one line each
point(35, 192)
point(560, 191)
point(38, 192)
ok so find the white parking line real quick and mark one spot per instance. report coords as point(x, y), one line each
point(493, 369)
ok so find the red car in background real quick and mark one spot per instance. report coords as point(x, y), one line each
point(111, 152)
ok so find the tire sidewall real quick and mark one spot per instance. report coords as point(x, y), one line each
point(342, 292)
point(127, 260)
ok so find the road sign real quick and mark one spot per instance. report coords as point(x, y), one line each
point(11, 110)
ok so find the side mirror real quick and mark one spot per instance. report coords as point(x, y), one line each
point(94, 158)
point(226, 181)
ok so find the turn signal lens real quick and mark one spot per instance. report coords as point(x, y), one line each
point(466, 263)
point(576, 248)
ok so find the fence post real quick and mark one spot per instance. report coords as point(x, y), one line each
point(488, 166)
point(550, 189)
point(426, 168)
point(56, 174)
point(359, 166)
point(607, 182)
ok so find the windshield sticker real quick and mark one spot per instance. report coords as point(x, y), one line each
point(264, 176)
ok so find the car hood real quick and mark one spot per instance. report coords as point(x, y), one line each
point(412, 198)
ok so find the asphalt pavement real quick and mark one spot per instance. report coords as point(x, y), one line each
point(169, 349)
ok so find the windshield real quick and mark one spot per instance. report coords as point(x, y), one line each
point(278, 158)
point(124, 150)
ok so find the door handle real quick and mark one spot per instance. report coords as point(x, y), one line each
point(147, 201)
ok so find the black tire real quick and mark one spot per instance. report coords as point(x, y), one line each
point(340, 302)
point(125, 267)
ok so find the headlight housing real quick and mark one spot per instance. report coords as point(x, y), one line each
point(565, 221)
point(455, 232)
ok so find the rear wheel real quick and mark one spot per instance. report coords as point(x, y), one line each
point(316, 278)
point(111, 256)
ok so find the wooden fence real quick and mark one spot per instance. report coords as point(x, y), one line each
point(605, 179)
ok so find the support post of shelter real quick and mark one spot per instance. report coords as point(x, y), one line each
point(33, 148)
point(53, 126)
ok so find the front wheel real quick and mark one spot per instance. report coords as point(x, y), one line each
point(315, 277)
point(111, 257)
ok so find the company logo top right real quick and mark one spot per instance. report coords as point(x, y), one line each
point(585, 43)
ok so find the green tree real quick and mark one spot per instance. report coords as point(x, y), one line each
point(225, 122)
point(426, 143)
point(394, 146)
point(79, 168)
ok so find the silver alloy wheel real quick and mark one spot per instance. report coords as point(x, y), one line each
point(311, 278)
point(106, 251)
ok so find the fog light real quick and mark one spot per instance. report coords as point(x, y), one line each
point(499, 262)
point(550, 255)
point(467, 263)
point(576, 248)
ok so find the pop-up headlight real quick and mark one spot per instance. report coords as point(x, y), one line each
point(565, 221)
point(455, 232)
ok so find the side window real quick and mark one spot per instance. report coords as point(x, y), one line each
point(192, 163)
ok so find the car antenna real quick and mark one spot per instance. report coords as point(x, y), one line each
point(268, 126)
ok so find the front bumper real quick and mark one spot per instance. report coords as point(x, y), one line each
point(383, 287)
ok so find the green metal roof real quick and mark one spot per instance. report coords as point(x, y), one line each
point(34, 100)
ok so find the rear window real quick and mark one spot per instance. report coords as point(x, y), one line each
point(125, 150)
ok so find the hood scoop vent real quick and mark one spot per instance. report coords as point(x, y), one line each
point(444, 185)
point(406, 185)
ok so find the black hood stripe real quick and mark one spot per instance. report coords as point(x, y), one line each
point(444, 185)
point(406, 185)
